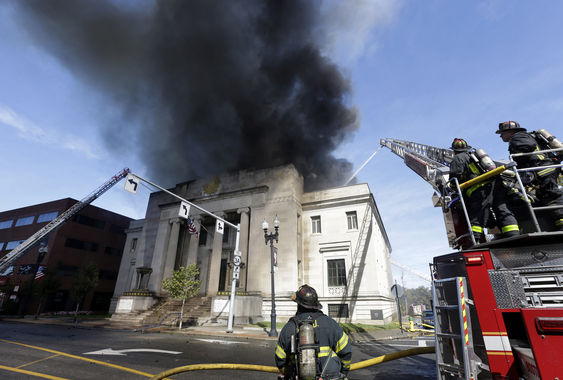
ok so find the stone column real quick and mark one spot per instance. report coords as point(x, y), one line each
point(243, 244)
point(159, 255)
point(215, 262)
point(170, 258)
point(193, 245)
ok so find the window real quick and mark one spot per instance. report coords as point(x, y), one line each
point(25, 221)
point(6, 224)
point(107, 275)
point(339, 310)
point(336, 270)
point(112, 251)
point(8, 272)
point(87, 221)
point(47, 217)
point(202, 236)
point(13, 244)
point(352, 218)
point(226, 235)
point(114, 228)
point(67, 270)
point(79, 244)
point(26, 269)
point(133, 245)
point(316, 224)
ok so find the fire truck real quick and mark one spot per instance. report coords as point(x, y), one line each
point(498, 304)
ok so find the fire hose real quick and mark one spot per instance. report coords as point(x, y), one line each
point(271, 369)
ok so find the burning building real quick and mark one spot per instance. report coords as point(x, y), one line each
point(331, 239)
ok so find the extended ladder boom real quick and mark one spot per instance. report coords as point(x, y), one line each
point(429, 162)
point(57, 222)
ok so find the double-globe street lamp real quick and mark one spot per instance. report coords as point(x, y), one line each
point(270, 237)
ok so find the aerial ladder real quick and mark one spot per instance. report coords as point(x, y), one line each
point(498, 304)
point(34, 239)
point(412, 271)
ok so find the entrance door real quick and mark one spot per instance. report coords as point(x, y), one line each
point(222, 275)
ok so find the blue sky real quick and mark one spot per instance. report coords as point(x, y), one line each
point(424, 71)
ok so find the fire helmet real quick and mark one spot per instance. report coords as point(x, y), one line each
point(509, 126)
point(460, 145)
point(307, 297)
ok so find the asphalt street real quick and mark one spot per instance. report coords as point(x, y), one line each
point(31, 351)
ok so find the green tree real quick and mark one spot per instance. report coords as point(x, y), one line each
point(183, 284)
point(83, 283)
point(48, 285)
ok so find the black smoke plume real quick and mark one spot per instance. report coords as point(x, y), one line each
point(209, 85)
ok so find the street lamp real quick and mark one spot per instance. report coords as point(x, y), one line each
point(270, 237)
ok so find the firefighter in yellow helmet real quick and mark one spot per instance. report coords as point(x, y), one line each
point(481, 197)
point(329, 349)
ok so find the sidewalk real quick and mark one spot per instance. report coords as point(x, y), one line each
point(239, 332)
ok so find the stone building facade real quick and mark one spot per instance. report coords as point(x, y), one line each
point(333, 240)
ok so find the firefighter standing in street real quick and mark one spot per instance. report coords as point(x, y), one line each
point(483, 196)
point(548, 192)
point(332, 350)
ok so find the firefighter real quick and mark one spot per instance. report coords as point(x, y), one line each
point(548, 192)
point(334, 354)
point(483, 196)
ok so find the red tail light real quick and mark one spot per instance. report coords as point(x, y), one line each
point(474, 260)
point(547, 325)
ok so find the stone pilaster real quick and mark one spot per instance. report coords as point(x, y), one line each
point(159, 255)
point(215, 262)
point(243, 244)
point(172, 248)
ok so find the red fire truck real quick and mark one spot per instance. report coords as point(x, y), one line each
point(498, 305)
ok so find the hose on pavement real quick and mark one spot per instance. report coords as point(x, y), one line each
point(271, 369)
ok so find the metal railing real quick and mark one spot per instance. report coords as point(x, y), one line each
point(510, 166)
point(517, 170)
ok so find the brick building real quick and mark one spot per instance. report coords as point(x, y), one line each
point(92, 235)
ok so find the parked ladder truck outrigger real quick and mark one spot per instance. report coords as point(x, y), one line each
point(498, 305)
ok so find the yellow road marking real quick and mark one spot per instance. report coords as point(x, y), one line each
point(37, 374)
point(37, 361)
point(80, 358)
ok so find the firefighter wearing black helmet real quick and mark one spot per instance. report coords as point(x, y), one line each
point(483, 196)
point(548, 192)
point(334, 352)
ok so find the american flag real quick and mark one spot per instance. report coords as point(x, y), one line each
point(40, 272)
point(192, 228)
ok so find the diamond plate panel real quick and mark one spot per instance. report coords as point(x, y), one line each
point(528, 256)
point(508, 289)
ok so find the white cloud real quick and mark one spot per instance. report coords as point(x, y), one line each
point(29, 131)
point(493, 10)
point(348, 26)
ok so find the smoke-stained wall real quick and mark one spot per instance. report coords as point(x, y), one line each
point(209, 86)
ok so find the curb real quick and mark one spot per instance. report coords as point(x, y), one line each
point(238, 333)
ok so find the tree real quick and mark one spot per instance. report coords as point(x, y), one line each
point(83, 283)
point(183, 284)
point(48, 285)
